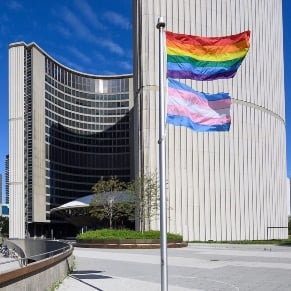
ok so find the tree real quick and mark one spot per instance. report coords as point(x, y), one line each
point(111, 202)
point(115, 200)
point(146, 196)
point(4, 225)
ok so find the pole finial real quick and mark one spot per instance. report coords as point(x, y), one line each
point(161, 22)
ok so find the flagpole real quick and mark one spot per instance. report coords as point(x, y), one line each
point(163, 210)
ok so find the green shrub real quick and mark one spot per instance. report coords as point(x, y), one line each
point(285, 242)
point(112, 234)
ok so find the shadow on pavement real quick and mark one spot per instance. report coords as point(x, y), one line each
point(88, 274)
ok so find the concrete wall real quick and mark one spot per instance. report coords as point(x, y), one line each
point(42, 279)
point(16, 146)
point(220, 186)
point(38, 135)
point(40, 275)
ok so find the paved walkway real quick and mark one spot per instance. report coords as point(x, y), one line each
point(8, 264)
point(196, 267)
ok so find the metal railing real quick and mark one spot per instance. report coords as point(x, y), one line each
point(24, 261)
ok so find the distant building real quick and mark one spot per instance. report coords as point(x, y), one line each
point(7, 179)
point(4, 209)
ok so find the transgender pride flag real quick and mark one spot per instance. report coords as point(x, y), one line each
point(196, 110)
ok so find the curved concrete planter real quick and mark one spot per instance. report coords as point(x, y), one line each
point(40, 275)
point(129, 244)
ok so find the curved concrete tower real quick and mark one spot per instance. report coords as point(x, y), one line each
point(227, 185)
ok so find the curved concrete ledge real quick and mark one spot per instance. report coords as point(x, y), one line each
point(40, 275)
point(128, 244)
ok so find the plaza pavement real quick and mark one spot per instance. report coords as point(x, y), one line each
point(209, 267)
point(8, 264)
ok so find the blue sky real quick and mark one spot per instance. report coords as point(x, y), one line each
point(92, 36)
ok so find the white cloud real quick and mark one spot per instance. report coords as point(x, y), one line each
point(14, 5)
point(70, 64)
point(63, 30)
point(100, 57)
point(79, 55)
point(75, 26)
point(78, 27)
point(112, 46)
point(117, 19)
point(4, 28)
point(87, 11)
point(126, 66)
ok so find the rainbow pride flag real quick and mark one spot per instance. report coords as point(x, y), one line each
point(205, 58)
point(196, 110)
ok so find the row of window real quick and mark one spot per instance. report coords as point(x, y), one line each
point(91, 174)
point(82, 127)
point(57, 131)
point(80, 186)
point(61, 99)
point(89, 160)
point(28, 136)
point(105, 146)
point(79, 112)
point(70, 95)
point(97, 150)
point(57, 167)
point(92, 122)
point(72, 79)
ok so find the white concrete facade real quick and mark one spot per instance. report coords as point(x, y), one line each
point(220, 186)
point(17, 159)
point(16, 148)
point(36, 84)
point(38, 133)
